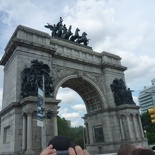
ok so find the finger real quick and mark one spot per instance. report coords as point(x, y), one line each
point(53, 153)
point(50, 146)
point(85, 152)
point(71, 151)
point(53, 150)
point(79, 151)
point(50, 150)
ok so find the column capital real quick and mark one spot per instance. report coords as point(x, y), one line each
point(28, 111)
point(54, 113)
point(135, 114)
point(123, 114)
point(119, 116)
point(23, 115)
point(128, 114)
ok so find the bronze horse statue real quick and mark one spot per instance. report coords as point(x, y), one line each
point(56, 29)
point(52, 28)
point(76, 35)
point(66, 33)
point(83, 39)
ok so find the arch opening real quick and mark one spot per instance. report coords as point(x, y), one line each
point(87, 92)
point(72, 107)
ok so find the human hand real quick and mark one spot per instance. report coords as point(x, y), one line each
point(48, 151)
point(78, 151)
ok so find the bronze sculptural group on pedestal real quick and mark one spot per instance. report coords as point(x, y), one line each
point(60, 30)
point(122, 95)
point(32, 78)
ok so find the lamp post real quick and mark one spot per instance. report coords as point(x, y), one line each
point(145, 133)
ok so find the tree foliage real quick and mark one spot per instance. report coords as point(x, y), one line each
point(63, 127)
point(149, 127)
point(75, 133)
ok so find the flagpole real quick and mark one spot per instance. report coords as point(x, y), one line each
point(44, 118)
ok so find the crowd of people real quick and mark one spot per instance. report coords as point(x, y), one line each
point(124, 149)
point(129, 149)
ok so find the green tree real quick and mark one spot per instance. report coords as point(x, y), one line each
point(75, 133)
point(63, 127)
point(149, 127)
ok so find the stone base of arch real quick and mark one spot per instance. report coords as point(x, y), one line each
point(107, 129)
point(20, 122)
point(111, 147)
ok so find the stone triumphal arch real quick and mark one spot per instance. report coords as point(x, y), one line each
point(112, 116)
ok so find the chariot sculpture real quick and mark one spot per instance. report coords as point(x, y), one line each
point(61, 31)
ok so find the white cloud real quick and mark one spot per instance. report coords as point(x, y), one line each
point(70, 115)
point(69, 96)
point(74, 117)
point(95, 17)
point(75, 123)
point(80, 107)
point(138, 65)
point(135, 98)
point(67, 114)
point(62, 111)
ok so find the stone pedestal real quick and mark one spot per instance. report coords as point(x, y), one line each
point(119, 125)
point(30, 152)
point(22, 133)
point(33, 135)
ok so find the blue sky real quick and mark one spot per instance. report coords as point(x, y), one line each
point(122, 27)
